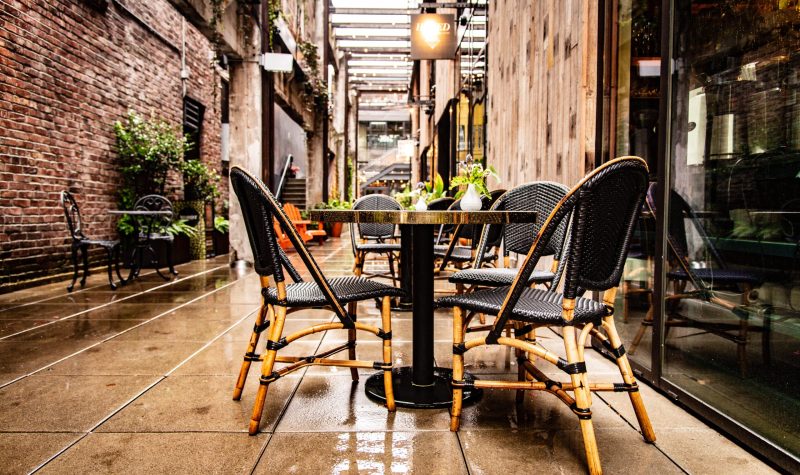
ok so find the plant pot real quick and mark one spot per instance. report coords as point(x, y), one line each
point(334, 229)
point(221, 243)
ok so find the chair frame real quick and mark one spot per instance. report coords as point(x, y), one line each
point(81, 243)
point(270, 263)
point(153, 203)
point(572, 206)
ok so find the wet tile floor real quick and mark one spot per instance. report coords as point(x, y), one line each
point(139, 380)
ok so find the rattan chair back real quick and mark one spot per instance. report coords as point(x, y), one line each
point(73, 214)
point(378, 231)
point(259, 209)
point(601, 211)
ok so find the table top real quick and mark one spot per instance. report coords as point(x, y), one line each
point(140, 212)
point(422, 217)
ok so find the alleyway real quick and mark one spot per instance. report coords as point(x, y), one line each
point(139, 381)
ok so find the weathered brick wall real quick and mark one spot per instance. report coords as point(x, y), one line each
point(67, 72)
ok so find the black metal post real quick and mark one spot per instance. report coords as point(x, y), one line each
point(422, 324)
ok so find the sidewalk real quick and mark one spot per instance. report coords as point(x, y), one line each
point(140, 380)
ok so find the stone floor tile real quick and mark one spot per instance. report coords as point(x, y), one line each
point(560, 451)
point(336, 404)
point(52, 403)
point(128, 358)
point(363, 452)
point(21, 452)
point(225, 358)
point(150, 454)
point(200, 404)
point(691, 449)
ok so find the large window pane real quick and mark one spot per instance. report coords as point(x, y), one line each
point(633, 86)
point(733, 289)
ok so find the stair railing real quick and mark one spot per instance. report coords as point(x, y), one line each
point(282, 182)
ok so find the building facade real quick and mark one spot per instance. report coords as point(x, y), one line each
point(68, 70)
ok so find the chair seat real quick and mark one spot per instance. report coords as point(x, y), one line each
point(378, 247)
point(346, 289)
point(534, 305)
point(461, 254)
point(719, 276)
point(100, 242)
point(496, 277)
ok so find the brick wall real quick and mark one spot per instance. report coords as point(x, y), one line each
point(67, 72)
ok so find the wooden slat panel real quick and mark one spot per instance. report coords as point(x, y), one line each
point(542, 77)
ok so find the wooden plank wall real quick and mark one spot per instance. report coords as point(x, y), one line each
point(542, 79)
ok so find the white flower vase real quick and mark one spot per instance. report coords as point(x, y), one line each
point(471, 201)
point(421, 204)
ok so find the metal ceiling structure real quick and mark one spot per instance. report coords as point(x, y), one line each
point(375, 34)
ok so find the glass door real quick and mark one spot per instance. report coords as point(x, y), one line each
point(732, 296)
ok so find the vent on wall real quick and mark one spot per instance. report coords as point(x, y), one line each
point(193, 112)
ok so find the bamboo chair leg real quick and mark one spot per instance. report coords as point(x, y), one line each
point(352, 309)
point(582, 403)
point(391, 269)
point(251, 350)
point(458, 369)
point(627, 376)
point(358, 268)
point(266, 367)
point(386, 317)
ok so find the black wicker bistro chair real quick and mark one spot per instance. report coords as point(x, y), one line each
point(603, 207)
point(705, 282)
point(154, 229)
point(259, 208)
point(541, 197)
point(373, 237)
point(80, 242)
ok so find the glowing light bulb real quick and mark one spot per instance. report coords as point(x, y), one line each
point(430, 33)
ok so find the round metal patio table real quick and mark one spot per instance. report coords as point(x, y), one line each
point(422, 385)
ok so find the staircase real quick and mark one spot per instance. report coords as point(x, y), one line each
point(294, 192)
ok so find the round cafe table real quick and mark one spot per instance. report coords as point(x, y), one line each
point(422, 385)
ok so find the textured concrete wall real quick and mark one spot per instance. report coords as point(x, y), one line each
point(541, 89)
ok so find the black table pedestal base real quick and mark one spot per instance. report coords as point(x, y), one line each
point(406, 394)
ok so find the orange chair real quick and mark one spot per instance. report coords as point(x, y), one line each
point(302, 225)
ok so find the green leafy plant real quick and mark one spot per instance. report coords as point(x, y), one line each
point(473, 174)
point(333, 203)
point(429, 192)
point(147, 150)
point(179, 226)
point(221, 224)
point(315, 89)
point(199, 181)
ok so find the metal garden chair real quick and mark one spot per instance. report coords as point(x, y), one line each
point(372, 237)
point(154, 228)
point(80, 242)
point(259, 208)
point(603, 207)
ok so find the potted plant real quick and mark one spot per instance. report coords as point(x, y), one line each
point(409, 199)
point(220, 235)
point(474, 176)
point(199, 188)
point(148, 150)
